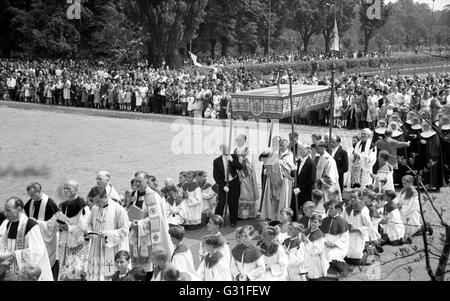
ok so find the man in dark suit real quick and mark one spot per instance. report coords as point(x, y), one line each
point(306, 176)
point(341, 158)
point(221, 165)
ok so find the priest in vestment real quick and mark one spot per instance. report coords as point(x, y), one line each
point(43, 209)
point(73, 248)
point(364, 158)
point(279, 185)
point(104, 181)
point(22, 235)
point(327, 168)
point(150, 231)
point(107, 228)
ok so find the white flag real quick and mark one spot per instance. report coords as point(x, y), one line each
point(194, 59)
point(335, 45)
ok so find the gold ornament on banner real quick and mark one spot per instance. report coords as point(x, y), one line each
point(74, 10)
point(374, 11)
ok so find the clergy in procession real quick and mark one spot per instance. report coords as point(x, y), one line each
point(279, 184)
point(22, 235)
point(249, 186)
point(43, 209)
point(149, 226)
point(364, 158)
point(104, 181)
point(107, 228)
point(326, 167)
point(73, 248)
point(337, 237)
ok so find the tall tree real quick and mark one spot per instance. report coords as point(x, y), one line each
point(306, 19)
point(167, 23)
point(248, 16)
point(219, 25)
point(42, 29)
point(370, 27)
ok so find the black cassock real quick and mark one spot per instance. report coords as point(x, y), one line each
point(445, 146)
point(432, 151)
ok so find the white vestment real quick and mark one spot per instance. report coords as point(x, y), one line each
point(342, 241)
point(278, 264)
point(144, 238)
point(113, 222)
point(219, 272)
point(410, 213)
point(29, 248)
point(364, 164)
point(394, 229)
point(73, 248)
point(362, 224)
point(296, 263)
point(184, 262)
point(253, 270)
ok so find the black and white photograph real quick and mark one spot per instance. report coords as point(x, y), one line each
point(200, 141)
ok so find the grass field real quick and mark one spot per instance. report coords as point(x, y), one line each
point(52, 144)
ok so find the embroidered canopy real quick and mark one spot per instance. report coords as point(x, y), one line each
point(274, 103)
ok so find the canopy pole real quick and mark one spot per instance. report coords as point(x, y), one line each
point(293, 138)
point(225, 218)
point(331, 106)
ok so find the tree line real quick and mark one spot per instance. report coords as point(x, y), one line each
point(166, 30)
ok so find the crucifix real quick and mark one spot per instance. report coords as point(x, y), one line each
point(109, 265)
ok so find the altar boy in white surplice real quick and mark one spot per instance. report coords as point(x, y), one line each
point(108, 228)
point(22, 236)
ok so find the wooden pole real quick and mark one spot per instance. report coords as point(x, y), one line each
point(293, 138)
point(331, 106)
point(264, 179)
point(225, 218)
